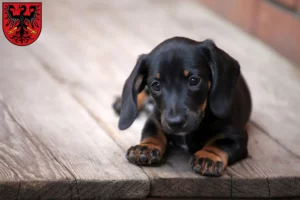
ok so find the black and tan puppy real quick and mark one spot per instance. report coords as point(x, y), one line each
point(201, 102)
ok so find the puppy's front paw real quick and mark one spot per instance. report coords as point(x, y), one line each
point(207, 163)
point(144, 154)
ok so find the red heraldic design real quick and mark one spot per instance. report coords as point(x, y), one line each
point(22, 22)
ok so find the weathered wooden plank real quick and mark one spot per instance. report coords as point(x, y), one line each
point(270, 170)
point(9, 184)
point(9, 190)
point(94, 76)
point(55, 122)
point(23, 165)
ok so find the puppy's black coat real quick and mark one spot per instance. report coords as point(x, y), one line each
point(199, 94)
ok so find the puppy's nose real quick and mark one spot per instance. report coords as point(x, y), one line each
point(176, 122)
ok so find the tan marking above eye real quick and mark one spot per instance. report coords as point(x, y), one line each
point(157, 75)
point(186, 73)
point(209, 84)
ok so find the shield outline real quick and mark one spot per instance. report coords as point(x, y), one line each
point(41, 20)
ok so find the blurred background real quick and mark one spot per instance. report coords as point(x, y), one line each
point(276, 22)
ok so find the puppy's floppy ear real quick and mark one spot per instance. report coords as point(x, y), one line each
point(225, 72)
point(134, 84)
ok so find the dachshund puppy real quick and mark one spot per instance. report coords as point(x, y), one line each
point(201, 102)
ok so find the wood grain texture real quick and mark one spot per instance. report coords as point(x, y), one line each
point(23, 165)
point(95, 73)
point(269, 170)
point(59, 126)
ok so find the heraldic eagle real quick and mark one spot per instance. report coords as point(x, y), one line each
point(22, 24)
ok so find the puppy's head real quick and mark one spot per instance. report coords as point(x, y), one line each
point(185, 77)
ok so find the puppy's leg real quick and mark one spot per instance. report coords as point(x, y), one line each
point(141, 99)
point(152, 146)
point(228, 146)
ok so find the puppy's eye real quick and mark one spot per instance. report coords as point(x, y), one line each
point(155, 86)
point(194, 81)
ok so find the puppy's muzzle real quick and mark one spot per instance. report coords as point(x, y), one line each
point(176, 122)
point(185, 121)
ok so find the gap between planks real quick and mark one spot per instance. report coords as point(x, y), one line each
point(138, 187)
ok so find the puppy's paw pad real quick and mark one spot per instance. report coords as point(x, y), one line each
point(207, 164)
point(144, 154)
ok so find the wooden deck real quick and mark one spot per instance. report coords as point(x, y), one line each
point(58, 133)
